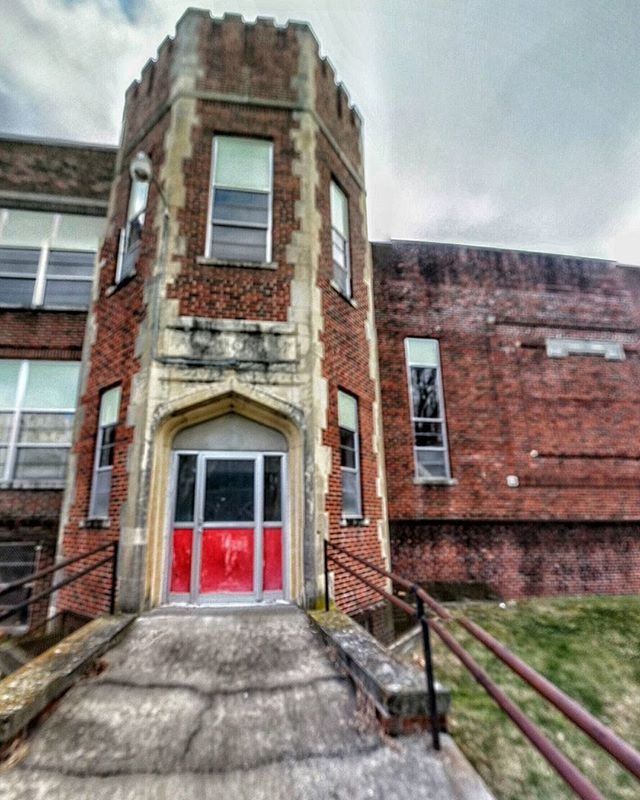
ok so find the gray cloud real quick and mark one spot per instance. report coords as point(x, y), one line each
point(505, 122)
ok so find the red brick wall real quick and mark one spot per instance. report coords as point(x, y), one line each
point(521, 559)
point(504, 398)
point(346, 367)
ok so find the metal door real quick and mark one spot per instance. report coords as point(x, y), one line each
point(228, 527)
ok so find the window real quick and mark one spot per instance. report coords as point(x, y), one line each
point(240, 228)
point(349, 455)
point(131, 234)
point(340, 239)
point(37, 405)
point(47, 259)
point(427, 409)
point(17, 561)
point(105, 442)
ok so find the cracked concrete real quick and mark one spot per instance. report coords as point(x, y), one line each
point(243, 705)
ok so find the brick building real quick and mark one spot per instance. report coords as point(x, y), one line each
point(53, 199)
point(232, 400)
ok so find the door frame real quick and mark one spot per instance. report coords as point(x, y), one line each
point(198, 526)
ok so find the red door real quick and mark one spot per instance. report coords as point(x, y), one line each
point(227, 537)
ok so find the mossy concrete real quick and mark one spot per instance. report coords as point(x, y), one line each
point(29, 690)
point(398, 690)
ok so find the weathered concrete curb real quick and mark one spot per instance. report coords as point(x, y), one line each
point(397, 690)
point(27, 692)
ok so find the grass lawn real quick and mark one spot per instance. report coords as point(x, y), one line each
point(590, 648)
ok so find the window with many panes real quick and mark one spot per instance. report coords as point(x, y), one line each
point(37, 404)
point(340, 239)
point(105, 443)
point(131, 234)
point(427, 409)
point(47, 259)
point(349, 455)
point(241, 199)
point(17, 560)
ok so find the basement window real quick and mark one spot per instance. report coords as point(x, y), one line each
point(561, 348)
point(241, 200)
point(37, 406)
point(105, 445)
point(431, 450)
point(17, 561)
point(47, 259)
point(349, 456)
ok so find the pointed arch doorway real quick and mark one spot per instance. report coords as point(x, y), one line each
point(228, 531)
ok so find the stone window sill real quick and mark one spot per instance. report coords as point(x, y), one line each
point(111, 290)
point(355, 522)
point(345, 297)
point(435, 481)
point(98, 524)
point(48, 309)
point(205, 261)
point(32, 484)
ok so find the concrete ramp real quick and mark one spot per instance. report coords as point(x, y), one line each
point(244, 705)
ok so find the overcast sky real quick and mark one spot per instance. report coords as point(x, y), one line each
point(512, 123)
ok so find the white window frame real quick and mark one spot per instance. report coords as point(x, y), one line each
point(351, 470)
point(41, 277)
point(213, 186)
point(125, 233)
point(562, 348)
point(440, 420)
point(97, 469)
point(13, 444)
point(345, 242)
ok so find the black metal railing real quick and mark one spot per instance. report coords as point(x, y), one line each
point(6, 612)
point(604, 737)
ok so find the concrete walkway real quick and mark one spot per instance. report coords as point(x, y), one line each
point(225, 705)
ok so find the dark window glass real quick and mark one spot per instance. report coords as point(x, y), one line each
point(107, 446)
point(43, 463)
point(429, 434)
point(424, 392)
point(236, 206)
point(229, 491)
point(67, 294)
point(70, 264)
point(19, 260)
point(272, 489)
point(186, 488)
point(347, 448)
point(16, 291)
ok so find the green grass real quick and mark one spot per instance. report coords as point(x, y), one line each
point(590, 648)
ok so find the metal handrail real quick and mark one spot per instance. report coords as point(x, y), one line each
point(621, 751)
point(626, 755)
point(111, 558)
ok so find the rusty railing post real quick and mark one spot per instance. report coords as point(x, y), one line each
point(326, 574)
point(114, 579)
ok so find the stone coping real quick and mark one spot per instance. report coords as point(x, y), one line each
point(398, 690)
point(27, 692)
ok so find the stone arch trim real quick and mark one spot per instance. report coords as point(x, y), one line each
point(183, 412)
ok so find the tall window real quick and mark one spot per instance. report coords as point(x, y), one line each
point(131, 234)
point(340, 239)
point(47, 259)
point(240, 228)
point(105, 442)
point(37, 404)
point(349, 455)
point(427, 409)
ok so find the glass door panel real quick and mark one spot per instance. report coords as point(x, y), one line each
point(183, 526)
point(228, 529)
